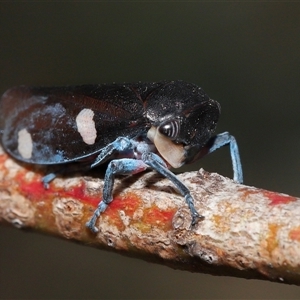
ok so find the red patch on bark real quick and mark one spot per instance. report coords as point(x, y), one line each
point(294, 234)
point(127, 203)
point(278, 198)
point(121, 208)
point(35, 191)
point(3, 158)
point(154, 216)
point(120, 211)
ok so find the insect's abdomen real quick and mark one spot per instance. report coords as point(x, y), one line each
point(59, 125)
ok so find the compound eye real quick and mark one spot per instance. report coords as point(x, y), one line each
point(170, 129)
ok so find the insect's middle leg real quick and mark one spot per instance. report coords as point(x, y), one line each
point(123, 166)
point(155, 162)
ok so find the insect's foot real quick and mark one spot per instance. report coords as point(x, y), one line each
point(47, 179)
point(196, 218)
point(92, 222)
point(91, 225)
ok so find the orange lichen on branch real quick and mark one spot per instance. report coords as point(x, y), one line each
point(272, 239)
point(246, 232)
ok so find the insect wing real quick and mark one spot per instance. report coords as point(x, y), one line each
point(64, 124)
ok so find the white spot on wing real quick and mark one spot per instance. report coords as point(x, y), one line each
point(25, 143)
point(86, 126)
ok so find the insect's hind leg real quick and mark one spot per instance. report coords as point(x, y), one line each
point(48, 178)
point(124, 166)
point(65, 170)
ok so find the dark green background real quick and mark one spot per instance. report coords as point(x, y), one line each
point(245, 55)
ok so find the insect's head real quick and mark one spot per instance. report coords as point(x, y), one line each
point(184, 126)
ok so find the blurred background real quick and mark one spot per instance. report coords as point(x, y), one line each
point(245, 55)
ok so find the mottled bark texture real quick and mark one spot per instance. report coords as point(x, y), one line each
point(247, 232)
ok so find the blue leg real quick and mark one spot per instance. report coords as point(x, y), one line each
point(70, 168)
point(115, 167)
point(156, 163)
point(221, 140)
point(47, 179)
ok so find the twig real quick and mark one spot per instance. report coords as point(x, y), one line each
point(247, 232)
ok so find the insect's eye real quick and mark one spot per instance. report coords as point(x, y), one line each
point(170, 129)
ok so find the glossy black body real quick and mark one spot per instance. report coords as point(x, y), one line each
point(120, 110)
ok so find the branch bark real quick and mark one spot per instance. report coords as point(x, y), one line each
point(247, 232)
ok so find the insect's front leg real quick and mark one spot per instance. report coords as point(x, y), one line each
point(122, 166)
point(156, 163)
point(224, 139)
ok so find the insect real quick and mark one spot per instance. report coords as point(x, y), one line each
point(132, 126)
